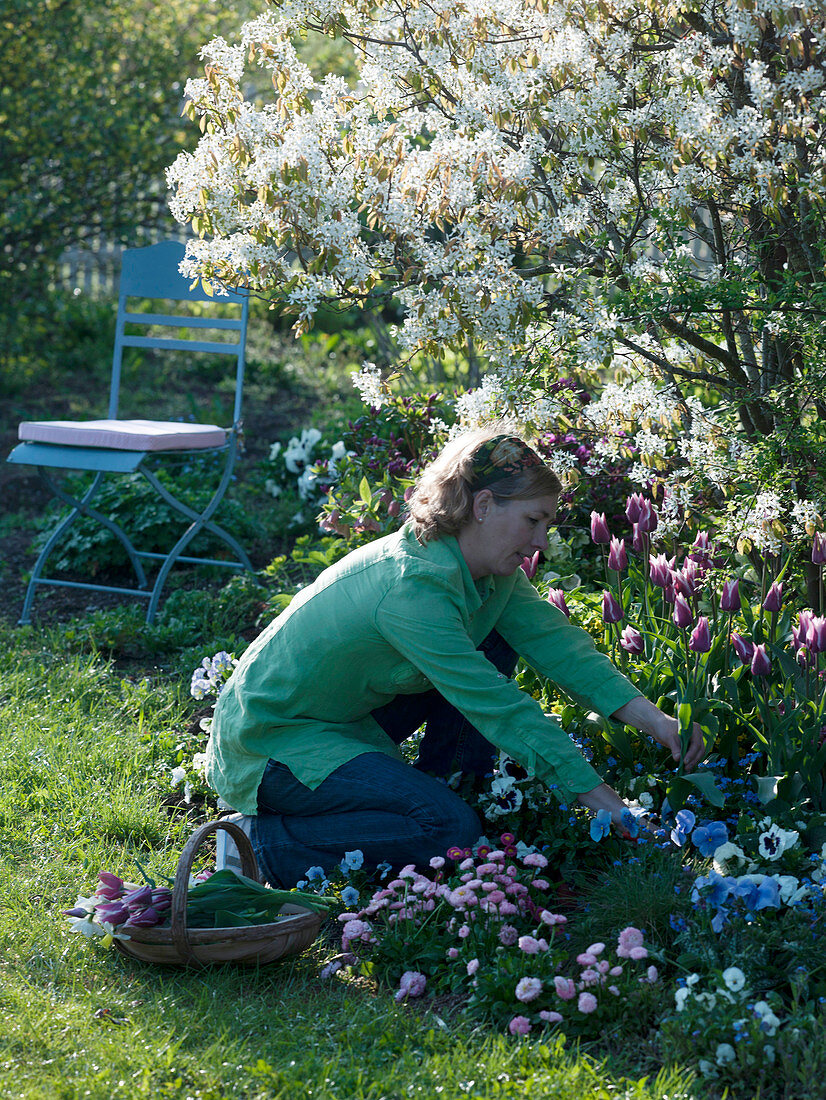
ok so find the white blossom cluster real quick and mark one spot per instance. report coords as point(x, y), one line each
point(759, 523)
point(368, 382)
point(502, 165)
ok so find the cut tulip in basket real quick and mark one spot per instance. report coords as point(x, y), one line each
point(226, 917)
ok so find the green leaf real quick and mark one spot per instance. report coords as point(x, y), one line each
point(704, 782)
point(684, 717)
point(766, 787)
point(365, 492)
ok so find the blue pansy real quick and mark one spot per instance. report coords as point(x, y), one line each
point(682, 829)
point(709, 837)
point(601, 824)
point(350, 896)
point(718, 888)
point(630, 823)
point(758, 895)
point(352, 861)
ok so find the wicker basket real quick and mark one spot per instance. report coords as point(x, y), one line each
point(253, 944)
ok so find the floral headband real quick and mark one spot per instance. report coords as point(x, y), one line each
point(501, 457)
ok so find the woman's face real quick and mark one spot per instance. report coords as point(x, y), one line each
point(500, 535)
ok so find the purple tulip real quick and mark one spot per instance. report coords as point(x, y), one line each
point(633, 507)
point(146, 918)
point(112, 913)
point(742, 647)
point(631, 640)
point(648, 517)
point(611, 610)
point(599, 528)
point(816, 635)
point(685, 579)
point(701, 550)
point(799, 632)
point(138, 899)
point(530, 565)
point(683, 616)
point(617, 557)
point(700, 640)
point(760, 662)
point(819, 549)
point(730, 599)
point(804, 658)
point(109, 886)
point(76, 912)
point(659, 570)
point(161, 898)
point(774, 597)
point(557, 597)
point(638, 539)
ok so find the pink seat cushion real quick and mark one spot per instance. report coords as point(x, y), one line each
point(124, 435)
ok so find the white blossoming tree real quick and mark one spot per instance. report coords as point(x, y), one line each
point(585, 179)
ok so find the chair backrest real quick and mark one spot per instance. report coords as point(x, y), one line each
point(152, 274)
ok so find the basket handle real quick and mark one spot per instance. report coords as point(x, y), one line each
point(180, 888)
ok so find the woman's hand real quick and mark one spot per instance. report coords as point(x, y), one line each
point(643, 715)
point(604, 797)
point(668, 734)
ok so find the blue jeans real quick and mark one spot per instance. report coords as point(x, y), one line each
point(450, 743)
point(385, 808)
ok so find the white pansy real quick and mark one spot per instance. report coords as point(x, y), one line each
point(772, 843)
point(177, 776)
point(295, 456)
point(725, 1054)
point(728, 857)
point(769, 1022)
point(790, 889)
point(734, 978)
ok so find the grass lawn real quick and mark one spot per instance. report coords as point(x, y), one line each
point(79, 792)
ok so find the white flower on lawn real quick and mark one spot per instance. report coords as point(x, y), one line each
point(178, 776)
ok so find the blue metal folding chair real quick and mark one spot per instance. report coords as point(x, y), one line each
point(114, 446)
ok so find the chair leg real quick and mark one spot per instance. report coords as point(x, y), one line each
point(200, 522)
point(80, 507)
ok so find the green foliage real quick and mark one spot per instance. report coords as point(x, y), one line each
point(61, 336)
point(386, 450)
point(189, 621)
point(88, 111)
point(152, 524)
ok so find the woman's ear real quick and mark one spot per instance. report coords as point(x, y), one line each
point(481, 504)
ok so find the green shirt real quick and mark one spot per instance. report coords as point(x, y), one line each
point(397, 617)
